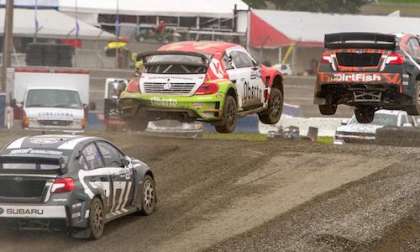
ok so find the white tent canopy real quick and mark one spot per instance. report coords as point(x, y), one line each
point(204, 8)
point(31, 3)
point(308, 26)
point(52, 24)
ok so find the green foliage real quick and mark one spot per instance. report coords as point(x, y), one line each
point(256, 4)
point(329, 6)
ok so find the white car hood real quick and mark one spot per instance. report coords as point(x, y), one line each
point(54, 113)
point(360, 128)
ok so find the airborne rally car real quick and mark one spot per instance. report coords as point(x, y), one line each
point(214, 82)
point(369, 71)
point(81, 183)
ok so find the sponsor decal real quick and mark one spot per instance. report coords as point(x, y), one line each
point(44, 140)
point(23, 211)
point(355, 77)
point(157, 101)
point(387, 78)
point(32, 151)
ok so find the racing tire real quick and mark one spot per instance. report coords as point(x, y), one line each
point(364, 114)
point(275, 107)
point(149, 198)
point(414, 109)
point(329, 109)
point(229, 117)
point(138, 123)
point(96, 219)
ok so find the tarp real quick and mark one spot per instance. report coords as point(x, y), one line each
point(52, 24)
point(193, 8)
point(307, 29)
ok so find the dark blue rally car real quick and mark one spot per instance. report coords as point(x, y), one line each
point(76, 182)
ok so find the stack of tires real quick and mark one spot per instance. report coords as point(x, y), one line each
point(404, 137)
point(43, 54)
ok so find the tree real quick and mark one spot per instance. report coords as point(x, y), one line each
point(330, 6)
point(257, 4)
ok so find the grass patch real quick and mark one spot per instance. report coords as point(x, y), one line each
point(325, 140)
point(252, 137)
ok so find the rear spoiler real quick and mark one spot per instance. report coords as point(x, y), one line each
point(37, 160)
point(143, 56)
point(360, 40)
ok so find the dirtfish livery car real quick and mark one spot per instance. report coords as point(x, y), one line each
point(81, 183)
point(214, 82)
point(369, 71)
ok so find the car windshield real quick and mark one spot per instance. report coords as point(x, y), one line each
point(175, 58)
point(51, 98)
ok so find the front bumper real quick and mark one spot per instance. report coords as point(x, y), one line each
point(202, 107)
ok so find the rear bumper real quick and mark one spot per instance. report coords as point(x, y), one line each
point(202, 107)
point(387, 90)
point(26, 211)
point(29, 215)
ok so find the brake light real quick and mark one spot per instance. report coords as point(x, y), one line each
point(395, 58)
point(207, 88)
point(133, 86)
point(326, 58)
point(25, 120)
point(62, 185)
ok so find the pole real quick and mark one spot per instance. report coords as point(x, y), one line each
point(117, 35)
point(7, 42)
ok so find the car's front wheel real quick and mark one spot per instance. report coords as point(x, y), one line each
point(229, 116)
point(275, 107)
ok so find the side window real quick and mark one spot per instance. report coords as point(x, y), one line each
point(111, 155)
point(241, 59)
point(83, 163)
point(92, 156)
point(414, 48)
point(227, 62)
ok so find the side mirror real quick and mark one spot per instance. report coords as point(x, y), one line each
point(344, 122)
point(125, 162)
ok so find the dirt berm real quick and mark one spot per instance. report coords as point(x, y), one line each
point(258, 196)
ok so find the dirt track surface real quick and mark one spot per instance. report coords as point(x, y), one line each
point(260, 196)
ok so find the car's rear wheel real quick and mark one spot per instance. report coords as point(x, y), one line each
point(364, 114)
point(229, 117)
point(149, 198)
point(329, 109)
point(96, 219)
point(138, 122)
point(415, 108)
point(275, 107)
